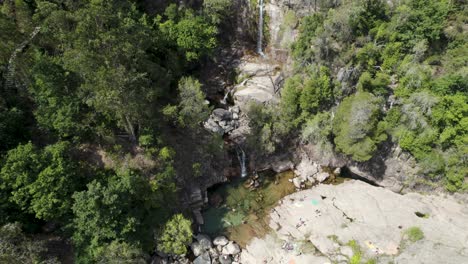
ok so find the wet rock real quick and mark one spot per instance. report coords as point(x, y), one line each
point(221, 240)
point(231, 249)
point(203, 259)
point(225, 259)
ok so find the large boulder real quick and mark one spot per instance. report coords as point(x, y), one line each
point(231, 249)
point(220, 241)
point(203, 259)
point(197, 249)
point(322, 176)
point(220, 114)
point(204, 241)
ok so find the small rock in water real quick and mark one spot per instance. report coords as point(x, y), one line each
point(221, 240)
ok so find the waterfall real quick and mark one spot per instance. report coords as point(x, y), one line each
point(260, 30)
point(242, 161)
point(224, 101)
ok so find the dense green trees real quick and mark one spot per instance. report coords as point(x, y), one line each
point(86, 90)
point(121, 207)
point(395, 72)
point(41, 182)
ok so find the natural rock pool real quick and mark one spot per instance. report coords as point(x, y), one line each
point(240, 212)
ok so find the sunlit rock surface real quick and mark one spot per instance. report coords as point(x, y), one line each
point(376, 218)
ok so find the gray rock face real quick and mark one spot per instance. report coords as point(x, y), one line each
point(258, 86)
point(376, 218)
point(220, 241)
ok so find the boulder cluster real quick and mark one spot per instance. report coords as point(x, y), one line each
point(218, 251)
point(311, 172)
point(222, 121)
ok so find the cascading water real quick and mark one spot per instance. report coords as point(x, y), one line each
point(224, 101)
point(242, 161)
point(260, 30)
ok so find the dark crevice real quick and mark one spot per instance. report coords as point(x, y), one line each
point(344, 214)
point(347, 173)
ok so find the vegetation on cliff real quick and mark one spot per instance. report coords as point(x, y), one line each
point(372, 71)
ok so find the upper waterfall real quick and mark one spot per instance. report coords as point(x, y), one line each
point(260, 30)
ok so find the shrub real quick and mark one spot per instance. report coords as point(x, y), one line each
point(414, 234)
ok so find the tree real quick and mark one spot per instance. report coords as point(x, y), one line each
point(121, 252)
point(289, 111)
point(192, 107)
point(355, 126)
point(120, 81)
point(58, 106)
point(416, 20)
point(41, 182)
point(122, 206)
point(176, 235)
point(317, 93)
point(192, 35)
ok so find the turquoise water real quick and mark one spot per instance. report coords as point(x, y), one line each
point(243, 214)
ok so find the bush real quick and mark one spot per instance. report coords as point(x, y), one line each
point(176, 235)
point(414, 234)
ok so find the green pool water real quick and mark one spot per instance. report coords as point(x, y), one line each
point(244, 213)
